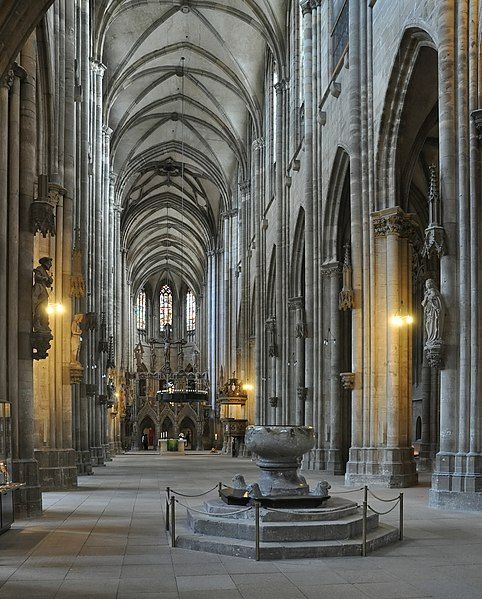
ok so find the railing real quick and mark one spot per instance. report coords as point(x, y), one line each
point(171, 501)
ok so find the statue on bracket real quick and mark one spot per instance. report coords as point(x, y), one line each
point(434, 313)
point(76, 368)
point(41, 334)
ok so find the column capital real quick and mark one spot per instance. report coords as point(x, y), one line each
point(245, 186)
point(97, 67)
point(306, 6)
point(282, 85)
point(393, 221)
point(296, 303)
point(7, 80)
point(258, 144)
point(330, 269)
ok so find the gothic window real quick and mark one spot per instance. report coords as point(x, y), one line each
point(339, 32)
point(165, 306)
point(300, 56)
point(274, 109)
point(141, 311)
point(190, 312)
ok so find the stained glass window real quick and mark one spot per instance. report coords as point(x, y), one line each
point(190, 312)
point(165, 306)
point(141, 311)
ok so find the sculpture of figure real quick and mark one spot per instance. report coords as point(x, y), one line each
point(433, 309)
point(76, 338)
point(254, 491)
point(40, 296)
point(138, 353)
point(238, 482)
point(321, 489)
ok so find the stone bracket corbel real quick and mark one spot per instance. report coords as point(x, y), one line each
point(348, 380)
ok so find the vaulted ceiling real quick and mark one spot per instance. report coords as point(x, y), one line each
point(183, 92)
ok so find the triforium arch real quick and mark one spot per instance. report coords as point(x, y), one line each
point(295, 411)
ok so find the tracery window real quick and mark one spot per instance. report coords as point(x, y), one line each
point(274, 109)
point(165, 306)
point(190, 312)
point(141, 310)
point(339, 32)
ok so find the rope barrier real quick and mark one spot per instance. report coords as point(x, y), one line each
point(384, 500)
point(383, 513)
point(350, 491)
point(196, 495)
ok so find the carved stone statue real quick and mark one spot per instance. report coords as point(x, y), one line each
point(238, 482)
point(254, 491)
point(138, 353)
point(76, 338)
point(321, 489)
point(40, 296)
point(434, 313)
point(433, 310)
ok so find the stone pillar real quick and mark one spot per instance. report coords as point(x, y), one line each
point(457, 477)
point(28, 499)
point(331, 273)
point(306, 7)
point(389, 458)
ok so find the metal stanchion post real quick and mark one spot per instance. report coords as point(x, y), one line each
point(364, 522)
point(168, 498)
point(256, 508)
point(173, 521)
point(400, 524)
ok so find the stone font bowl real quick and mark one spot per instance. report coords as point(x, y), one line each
point(281, 442)
point(279, 450)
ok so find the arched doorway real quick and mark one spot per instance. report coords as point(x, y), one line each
point(147, 427)
point(167, 429)
point(188, 429)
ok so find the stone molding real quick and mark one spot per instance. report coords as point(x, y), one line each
point(330, 269)
point(393, 221)
point(258, 144)
point(296, 303)
point(348, 380)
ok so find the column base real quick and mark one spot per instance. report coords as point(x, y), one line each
point(426, 458)
point(454, 500)
point(84, 463)
point(57, 469)
point(97, 456)
point(314, 460)
point(107, 452)
point(28, 499)
point(392, 467)
point(457, 474)
point(335, 464)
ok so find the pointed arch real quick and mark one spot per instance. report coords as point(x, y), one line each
point(334, 212)
point(271, 286)
point(297, 270)
point(414, 40)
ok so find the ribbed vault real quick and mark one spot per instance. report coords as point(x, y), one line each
point(183, 93)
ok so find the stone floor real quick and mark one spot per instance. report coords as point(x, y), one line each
point(107, 540)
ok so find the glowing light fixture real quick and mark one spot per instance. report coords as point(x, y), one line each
point(55, 309)
point(248, 387)
point(399, 321)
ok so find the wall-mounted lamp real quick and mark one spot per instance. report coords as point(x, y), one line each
point(55, 309)
point(399, 321)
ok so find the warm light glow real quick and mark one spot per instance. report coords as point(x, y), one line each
point(400, 321)
point(55, 309)
point(248, 387)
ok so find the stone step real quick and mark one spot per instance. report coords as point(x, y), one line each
point(334, 509)
point(381, 536)
point(343, 528)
